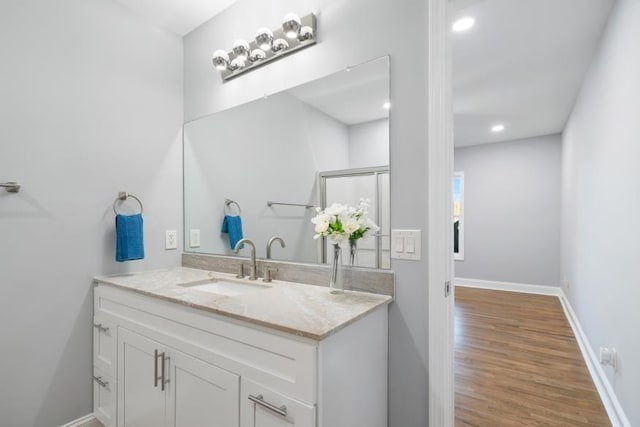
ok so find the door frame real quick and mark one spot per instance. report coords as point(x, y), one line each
point(440, 243)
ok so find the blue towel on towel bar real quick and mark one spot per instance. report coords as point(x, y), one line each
point(232, 225)
point(129, 241)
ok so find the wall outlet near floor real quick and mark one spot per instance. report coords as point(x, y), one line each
point(194, 238)
point(609, 356)
point(171, 239)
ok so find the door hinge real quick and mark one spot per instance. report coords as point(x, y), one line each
point(447, 288)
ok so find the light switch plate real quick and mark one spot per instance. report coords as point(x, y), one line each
point(171, 239)
point(406, 244)
point(194, 238)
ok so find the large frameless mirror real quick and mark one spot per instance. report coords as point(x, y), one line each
point(265, 167)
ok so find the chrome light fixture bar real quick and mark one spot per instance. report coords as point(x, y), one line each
point(295, 33)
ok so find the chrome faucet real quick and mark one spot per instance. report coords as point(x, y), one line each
point(274, 239)
point(254, 267)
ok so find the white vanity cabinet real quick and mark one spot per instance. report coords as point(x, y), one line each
point(170, 365)
point(161, 386)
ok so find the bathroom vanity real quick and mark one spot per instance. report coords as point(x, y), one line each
point(193, 348)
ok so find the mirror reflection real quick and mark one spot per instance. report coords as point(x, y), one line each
point(261, 169)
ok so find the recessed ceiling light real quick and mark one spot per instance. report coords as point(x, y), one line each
point(386, 105)
point(497, 128)
point(463, 24)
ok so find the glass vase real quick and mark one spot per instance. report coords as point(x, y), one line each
point(336, 284)
point(353, 252)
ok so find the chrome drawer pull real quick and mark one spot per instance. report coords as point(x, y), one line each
point(259, 399)
point(100, 327)
point(155, 368)
point(100, 381)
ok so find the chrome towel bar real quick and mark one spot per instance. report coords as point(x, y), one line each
point(11, 187)
point(270, 203)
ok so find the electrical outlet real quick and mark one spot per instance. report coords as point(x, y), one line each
point(609, 356)
point(171, 239)
point(194, 238)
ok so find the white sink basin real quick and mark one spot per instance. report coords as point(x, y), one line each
point(225, 287)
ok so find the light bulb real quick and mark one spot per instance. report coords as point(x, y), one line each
point(241, 49)
point(257, 55)
point(220, 59)
point(237, 64)
point(291, 25)
point(280, 44)
point(497, 127)
point(306, 33)
point(386, 105)
point(264, 38)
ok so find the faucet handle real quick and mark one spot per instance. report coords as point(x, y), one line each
point(267, 274)
point(240, 274)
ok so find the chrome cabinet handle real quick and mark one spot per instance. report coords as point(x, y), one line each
point(155, 368)
point(259, 399)
point(100, 327)
point(163, 380)
point(100, 381)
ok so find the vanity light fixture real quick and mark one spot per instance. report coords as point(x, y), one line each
point(463, 24)
point(497, 128)
point(295, 33)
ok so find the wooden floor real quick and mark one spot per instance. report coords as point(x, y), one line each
point(517, 363)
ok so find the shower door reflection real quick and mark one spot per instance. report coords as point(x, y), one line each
point(348, 187)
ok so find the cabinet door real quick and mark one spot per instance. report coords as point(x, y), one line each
point(262, 407)
point(141, 400)
point(201, 395)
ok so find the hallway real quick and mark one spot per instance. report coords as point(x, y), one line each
point(517, 363)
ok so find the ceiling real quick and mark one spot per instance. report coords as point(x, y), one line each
point(178, 16)
point(521, 64)
point(351, 97)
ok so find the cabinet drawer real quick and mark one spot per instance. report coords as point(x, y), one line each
point(105, 342)
point(263, 407)
point(104, 397)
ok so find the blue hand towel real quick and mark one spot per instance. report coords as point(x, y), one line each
point(232, 225)
point(129, 241)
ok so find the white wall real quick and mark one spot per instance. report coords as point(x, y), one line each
point(601, 202)
point(246, 155)
point(91, 103)
point(349, 33)
point(511, 211)
point(369, 144)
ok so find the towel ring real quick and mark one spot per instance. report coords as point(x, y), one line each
point(122, 196)
point(227, 205)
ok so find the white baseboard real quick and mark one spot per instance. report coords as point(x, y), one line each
point(507, 286)
point(608, 396)
point(87, 420)
point(603, 386)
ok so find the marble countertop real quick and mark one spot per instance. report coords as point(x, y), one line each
point(303, 310)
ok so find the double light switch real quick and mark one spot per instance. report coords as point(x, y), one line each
point(406, 244)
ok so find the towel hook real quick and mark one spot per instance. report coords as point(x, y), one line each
point(122, 196)
point(229, 202)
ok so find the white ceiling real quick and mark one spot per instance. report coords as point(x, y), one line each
point(178, 16)
point(522, 64)
point(351, 97)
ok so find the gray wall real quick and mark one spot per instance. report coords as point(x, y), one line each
point(349, 33)
point(369, 144)
point(601, 202)
point(511, 211)
point(91, 104)
point(266, 161)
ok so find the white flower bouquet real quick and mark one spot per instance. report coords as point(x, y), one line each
point(341, 223)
